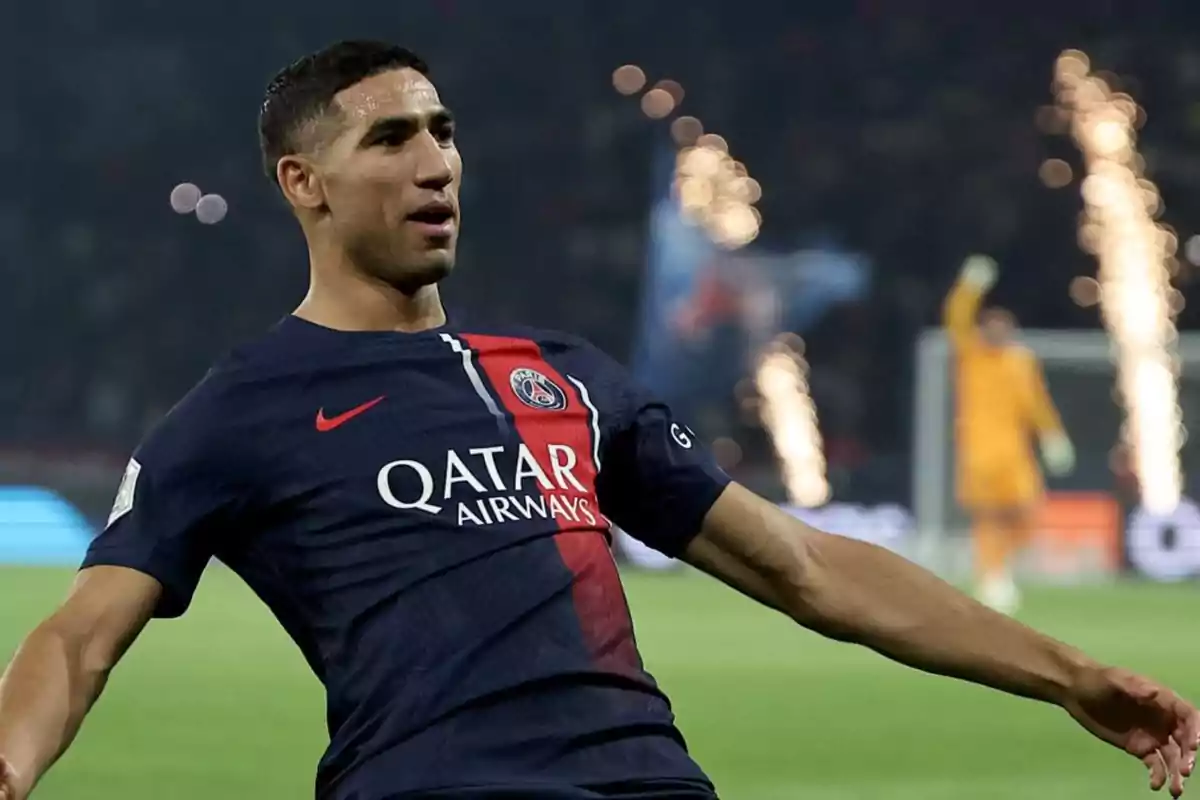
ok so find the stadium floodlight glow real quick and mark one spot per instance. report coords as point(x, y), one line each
point(788, 414)
point(1136, 257)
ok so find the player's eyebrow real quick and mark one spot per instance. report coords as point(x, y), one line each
point(403, 126)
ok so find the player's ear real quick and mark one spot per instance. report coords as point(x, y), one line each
point(299, 182)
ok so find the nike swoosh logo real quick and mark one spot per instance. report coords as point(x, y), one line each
point(325, 424)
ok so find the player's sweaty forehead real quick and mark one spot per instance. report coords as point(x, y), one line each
point(396, 93)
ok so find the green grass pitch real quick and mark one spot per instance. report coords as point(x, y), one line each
point(220, 704)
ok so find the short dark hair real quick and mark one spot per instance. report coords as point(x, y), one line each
point(302, 92)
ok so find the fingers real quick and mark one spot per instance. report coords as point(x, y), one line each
point(1171, 756)
point(1158, 770)
point(1166, 766)
point(1187, 734)
point(1168, 739)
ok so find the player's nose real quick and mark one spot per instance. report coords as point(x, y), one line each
point(434, 169)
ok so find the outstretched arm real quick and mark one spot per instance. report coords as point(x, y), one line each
point(962, 304)
point(60, 669)
point(857, 592)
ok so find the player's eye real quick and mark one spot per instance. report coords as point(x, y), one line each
point(391, 139)
point(443, 132)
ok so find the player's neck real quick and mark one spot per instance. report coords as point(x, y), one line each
point(349, 302)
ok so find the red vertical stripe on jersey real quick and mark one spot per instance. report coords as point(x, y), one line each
point(582, 543)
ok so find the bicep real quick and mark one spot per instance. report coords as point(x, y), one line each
point(107, 608)
point(657, 481)
point(179, 498)
point(753, 546)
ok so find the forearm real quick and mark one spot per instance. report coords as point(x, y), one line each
point(961, 307)
point(1045, 418)
point(1043, 415)
point(862, 593)
point(45, 694)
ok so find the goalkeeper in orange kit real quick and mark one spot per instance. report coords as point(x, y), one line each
point(1003, 406)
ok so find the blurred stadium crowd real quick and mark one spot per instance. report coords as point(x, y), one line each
point(909, 133)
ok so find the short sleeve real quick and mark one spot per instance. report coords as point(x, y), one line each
point(176, 500)
point(657, 481)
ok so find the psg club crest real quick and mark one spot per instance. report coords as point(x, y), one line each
point(536, 390)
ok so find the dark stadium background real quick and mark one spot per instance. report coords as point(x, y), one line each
point(904, 132)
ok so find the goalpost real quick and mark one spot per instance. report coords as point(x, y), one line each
point(1080, 375)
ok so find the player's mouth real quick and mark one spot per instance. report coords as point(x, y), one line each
point(434, 219)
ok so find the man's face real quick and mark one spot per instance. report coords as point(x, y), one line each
point(391, 179)
point(998, 327)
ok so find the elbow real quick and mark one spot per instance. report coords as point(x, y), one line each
point(836, 587)
point(84, 652)
point(808, 589)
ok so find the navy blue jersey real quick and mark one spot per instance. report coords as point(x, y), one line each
point(427, 515)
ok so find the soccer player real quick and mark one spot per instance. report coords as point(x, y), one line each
point(1002, 405)
point(426, 508)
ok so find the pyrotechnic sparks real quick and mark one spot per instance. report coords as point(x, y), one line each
point(713, 190)
point(717, 193)
point(1136, 256)
point(788, 414)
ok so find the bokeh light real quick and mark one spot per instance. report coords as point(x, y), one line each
point(1191, 250)
point(211, 209)
point(657, 103)
point(1136, 258)
point(628, 79)
point(686, 130)
point(673, 88)
point(711, 194)
point(185, 197)
point(714, 142)
point(1085, 291)
point(713, 190)
point(1055, 173)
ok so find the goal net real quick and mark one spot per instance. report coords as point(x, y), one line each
point(1092, 525)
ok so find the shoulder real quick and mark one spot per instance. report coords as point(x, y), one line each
point(1023, 354)
point(207, 425)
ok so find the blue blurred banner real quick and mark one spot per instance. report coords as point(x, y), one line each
point(38, 527)
point(707, 312)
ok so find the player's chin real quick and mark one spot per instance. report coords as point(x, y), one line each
point(430, 265)
point(438, 255)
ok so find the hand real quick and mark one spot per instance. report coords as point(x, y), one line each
point(1058, 453)
point(1143, 718)
point(979, 272)
point(9, 782)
